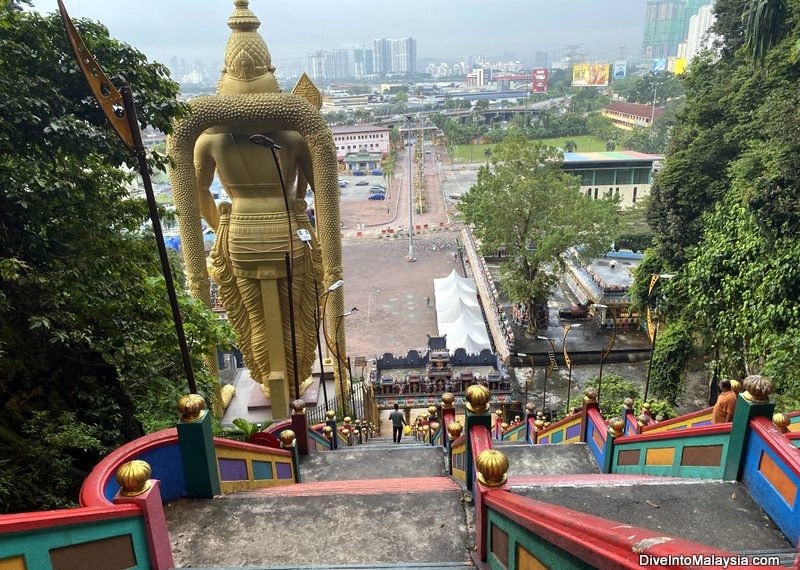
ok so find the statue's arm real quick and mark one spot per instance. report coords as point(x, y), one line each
point(306, 173)
point(204, 166)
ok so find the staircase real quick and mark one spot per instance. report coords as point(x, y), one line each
point(378, 505)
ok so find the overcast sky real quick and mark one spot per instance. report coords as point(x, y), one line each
point(444, 29)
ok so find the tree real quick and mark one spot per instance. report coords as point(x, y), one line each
point(764, 26)
point(482, 105)
point(528, 204)
point(570, 145)
point(88, 354)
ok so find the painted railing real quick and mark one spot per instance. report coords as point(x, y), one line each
point(699, 452)
point(245, 466)
point(89, 537)
point(596, 434)
point(524, 533)
point(514, 433)
point(690, 420)
point(317, 441)
point(567, 430)
point(771, 473)
point(458, 461)
point(631, 425)
point(794, 419)
point(794, 437)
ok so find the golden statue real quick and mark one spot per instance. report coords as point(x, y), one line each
point(255, 231)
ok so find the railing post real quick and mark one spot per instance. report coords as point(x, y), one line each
point(616, 428)
point(331, 423)
point(454, 432)
point(137, 488)
point(289, 441)
point(530, 412)
point(627, 414)
point(752, 403)
point(478, 398)
point(300, 425)
point(589, 402)
point(196, 443)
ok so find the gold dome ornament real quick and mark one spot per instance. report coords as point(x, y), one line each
point(616, 426)
point(327, 431)
point(539, 424)
point(434, 426)
point(298, 407)
point(530, 408)
point(455, 429)
point(330, 415)
point(643, 420)
point(192, 408)
point(504, 426)
point(477, 399)
point(447, 400)
point(134, 478)
point(781, 422)
point(628, 403)
point(757, 389)
point(345, 432)
point(287, 438)
point(492, 468)
point(432, 410)
point(590, 396)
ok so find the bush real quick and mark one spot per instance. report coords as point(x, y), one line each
point(673, 348)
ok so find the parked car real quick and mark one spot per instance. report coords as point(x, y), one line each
point(377, 172)
point(342, 183)
point(377, 190)
point(377, 197)
point(362, 183)
point(359, 173)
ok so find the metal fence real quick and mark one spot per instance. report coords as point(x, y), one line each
point(352, 406)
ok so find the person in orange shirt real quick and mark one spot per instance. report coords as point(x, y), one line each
point(726, 404)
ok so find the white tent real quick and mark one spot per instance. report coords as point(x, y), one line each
point(458, 314)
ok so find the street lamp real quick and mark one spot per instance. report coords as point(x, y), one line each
point(339, 320)
point(568, 362)
point(607, 349)
point(306, 237)
point(530, 379)
point(410, 196)
point(324, 298)
point(549, 369)
point(652, 330)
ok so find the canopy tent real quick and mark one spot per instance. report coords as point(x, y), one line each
point(458, 314)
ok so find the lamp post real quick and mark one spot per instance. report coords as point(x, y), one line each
point(529, 380)
point(339, 320)
point(306, 237)
point(410, 256)
point(607, 349)
point(549, 370)
point(652, 330)
point(568, 362)
point(324, 298)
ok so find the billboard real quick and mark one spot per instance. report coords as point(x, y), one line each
point(539, 80)
point(659, 65)
point(620, 69)
point(680, 66)
point(590, 74)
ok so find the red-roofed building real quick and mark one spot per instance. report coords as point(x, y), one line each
point(629, 115)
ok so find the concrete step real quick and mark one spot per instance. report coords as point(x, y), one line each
point(717, 513)
point(433, 566)
point(397, 523)
point(373, 462)
point(540, 460)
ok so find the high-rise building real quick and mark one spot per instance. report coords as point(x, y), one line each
point(316, 66)
point(700, 37)
point(329, 65)
point(382, 56)
point(666, 26)
point(394, 56)
point(363, 62)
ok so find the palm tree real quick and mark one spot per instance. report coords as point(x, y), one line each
point(487, 153)
point(765, 25)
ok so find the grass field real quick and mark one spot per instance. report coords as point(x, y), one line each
point(475, 152)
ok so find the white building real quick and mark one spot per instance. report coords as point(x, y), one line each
point(360, 138)
point(700, 37)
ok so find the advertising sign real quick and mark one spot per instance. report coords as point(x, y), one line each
point(539, 80)
point(680, 66)
point(620, 69)
point(590, 74)
point(659, 65)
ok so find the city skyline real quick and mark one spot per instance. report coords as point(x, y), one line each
point(445, 31)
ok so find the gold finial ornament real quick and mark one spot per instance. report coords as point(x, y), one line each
point(781, 422)
point(539, 424)
point(347, 419)
point(345, 432)
point(590, 395)
point(530, 408)
point(643, 420)
point(646, 407)
point(432, 411)
point(448, 399)
point(616, 426)
point(492, 468)
point(757, 389)
point(499, 413)
point(227, 393)
point(504, 426)
point(628, 403)
point(330, 414)
point(298, 407)
point(455, 429)
point(435, 426)
point(327, 431)
point(517, 419)
point(477, 399)
point(287, 438)
point(133, 478)
point(736, 386)
point(192, 408)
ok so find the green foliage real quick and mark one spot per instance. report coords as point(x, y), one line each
point(614, 390)
point(764, 26)
point(665, 86)
point(526, 203)
point(673, 348)
point(249, 429)
point(86, 336)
